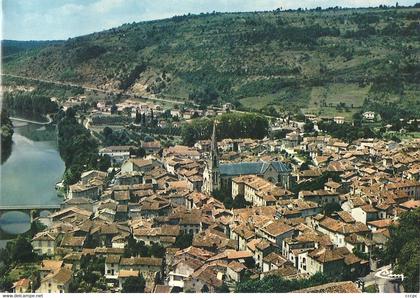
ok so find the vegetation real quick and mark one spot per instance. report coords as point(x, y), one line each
point(229, 125)
point(276, 284)
point(277, 60)
point(134, 284)
point(29, 104)
point(330, 208)
point(316, 183)
point(18, 252)
point(90, 277)
point(78, 148)
point(140, 249)
point(184, 240)
point(346, 131)
point(6, 135)
point(402, 249)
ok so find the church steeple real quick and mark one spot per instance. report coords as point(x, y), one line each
point(211, 173)
point(214, 152)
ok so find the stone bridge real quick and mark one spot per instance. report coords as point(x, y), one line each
point(32, 211)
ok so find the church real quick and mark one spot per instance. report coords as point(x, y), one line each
point(219, 176)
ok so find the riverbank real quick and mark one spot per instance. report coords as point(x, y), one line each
point(7, 132)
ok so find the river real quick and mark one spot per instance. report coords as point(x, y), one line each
point(29, 175)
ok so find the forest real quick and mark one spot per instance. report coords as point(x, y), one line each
point(229, 125)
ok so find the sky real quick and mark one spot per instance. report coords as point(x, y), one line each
point(62, 19)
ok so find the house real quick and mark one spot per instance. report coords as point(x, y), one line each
point(262, 249)
point(137, 165)
point(143, 264)
point(205, 280)
point(379, 224)
point(22, 286)
point(72, 242)
point(328, 261)
point(365, 213)
point(80, 190)
point(273, 261)
point(235, 271)
point(56, 282)
point(118, 154)
point(49, 267)
point(152, 147)
point(369, 115)
point(321, 196)
point(182, 270)
point(339, 119)
point(242, 235)
point(275, 232)
point(45, 243)
point(112, 266)
point(258, 191)
point(338, 230)
point(87, 177)
point(410, 205)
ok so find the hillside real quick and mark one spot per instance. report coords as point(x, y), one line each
point(275, 61)
point(12, 48)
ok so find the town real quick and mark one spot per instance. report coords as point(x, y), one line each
point(223, 214)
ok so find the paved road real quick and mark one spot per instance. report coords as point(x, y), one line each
point(385, 285)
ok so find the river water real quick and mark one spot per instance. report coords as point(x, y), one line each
point(29, 175)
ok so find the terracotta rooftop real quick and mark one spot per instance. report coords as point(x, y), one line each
point(334, 287)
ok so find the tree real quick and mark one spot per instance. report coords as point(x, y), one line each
point(276, 284)
point(104, 162)
point(6, 135)
point(239, 202)
point(157, 250)
point(304, 166)
point(134, 284)
point(230, 125)
point(330, 208)
point(114, 109)
point(402, 249)
point(137, 120)
point(138, 152)
point(22, 251)
point(222, 289)
point(308, 126)
point(184, 240)
point(5, 284)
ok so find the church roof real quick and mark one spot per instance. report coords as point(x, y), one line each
point(248, 168)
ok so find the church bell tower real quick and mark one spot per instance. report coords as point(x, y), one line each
point(212, 173)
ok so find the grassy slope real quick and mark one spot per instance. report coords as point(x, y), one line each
point(259, 59)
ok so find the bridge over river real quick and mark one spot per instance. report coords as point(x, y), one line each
point(31, 210)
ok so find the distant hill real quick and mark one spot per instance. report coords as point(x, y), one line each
point(321, 61)
point(13, 47)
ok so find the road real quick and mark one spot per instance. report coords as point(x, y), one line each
point(384, 283)
point(32, 121)
point(112, 92)
point(88, 88)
